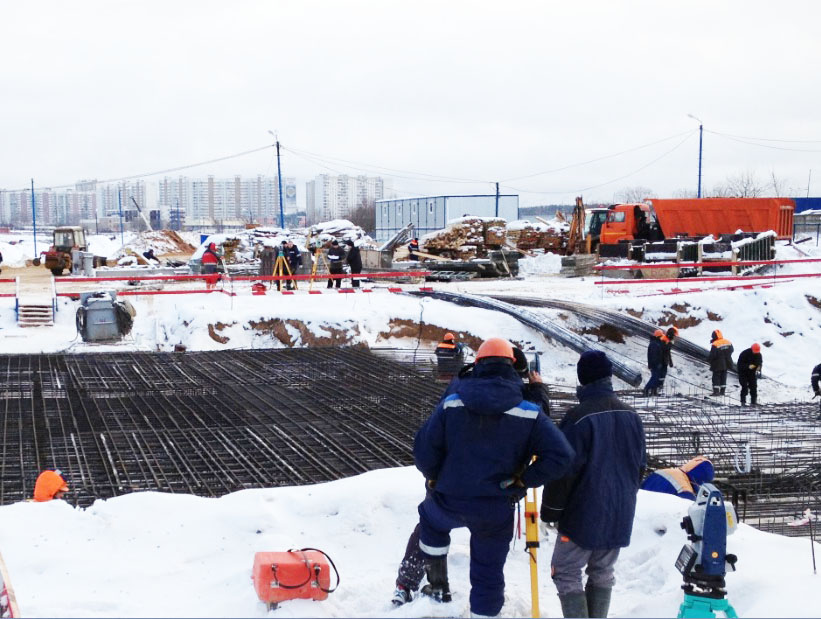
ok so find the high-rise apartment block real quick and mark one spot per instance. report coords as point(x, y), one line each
point(336, 197)
point(212, 201)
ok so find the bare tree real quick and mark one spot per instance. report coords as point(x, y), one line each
point(634, 194)
point(743, 185)
point(364, 216)
point(685, 193)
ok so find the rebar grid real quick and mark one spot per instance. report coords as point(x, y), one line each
point(207, 423)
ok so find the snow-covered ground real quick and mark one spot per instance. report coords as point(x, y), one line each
point(164, 555)
point(151, 554)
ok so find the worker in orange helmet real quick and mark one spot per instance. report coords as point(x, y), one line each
point(49, 485)
point(449, 357)
point(749, 369)
point(655, 361)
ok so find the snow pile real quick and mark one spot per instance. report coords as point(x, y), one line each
point(173, 555)
point(341, 230)
point(541, 264)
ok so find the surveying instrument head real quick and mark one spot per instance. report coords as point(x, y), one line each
point(704, 562)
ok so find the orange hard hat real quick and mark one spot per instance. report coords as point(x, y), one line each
point(495, 347)
point(48, 484)
point(756, 347)
point(449, 337)
point(658, 333)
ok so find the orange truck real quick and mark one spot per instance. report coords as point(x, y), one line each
point(659, 219)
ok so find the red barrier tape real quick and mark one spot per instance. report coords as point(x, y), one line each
point(697, 280)
point(238, 278)
point(690, 265)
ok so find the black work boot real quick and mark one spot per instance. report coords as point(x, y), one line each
point(722, 389)
point(574, 604)
point(716, 390)
point(598, 600)
point(437, 587)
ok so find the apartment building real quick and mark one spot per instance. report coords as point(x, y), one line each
point(335, 197)
point(212, 200)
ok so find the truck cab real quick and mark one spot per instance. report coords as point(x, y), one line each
point(628, 222)
point(593, 225)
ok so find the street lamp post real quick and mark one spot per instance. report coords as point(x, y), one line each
point(279, 180)
point(700, 142)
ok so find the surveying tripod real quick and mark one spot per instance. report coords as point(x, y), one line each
point(281, 267)
point(317, 256)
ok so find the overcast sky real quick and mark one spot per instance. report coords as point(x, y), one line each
point(483, 91)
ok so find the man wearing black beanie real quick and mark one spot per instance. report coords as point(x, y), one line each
point(595, 503)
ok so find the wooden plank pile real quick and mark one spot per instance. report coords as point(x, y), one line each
point(473, 237)
point(529, 236)
point(466, 238)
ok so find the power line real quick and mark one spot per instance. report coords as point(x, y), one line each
point(746, 141)
point(373, 167)
point(581, 163)
point(744, 137)
point(166, 171)
point(637, 170)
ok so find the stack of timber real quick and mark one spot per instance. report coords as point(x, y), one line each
point(466, 238)
point(549, 236)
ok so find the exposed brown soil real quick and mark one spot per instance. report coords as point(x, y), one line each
point(276, 327)
point(430, 334)
point(212, 331)
point(681, 308)
point(635, 313)
point(606, 333)
point(669, 319)
point(816, 303)
point(714, 317)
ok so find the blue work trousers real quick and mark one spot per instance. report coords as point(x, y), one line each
point(490, 522)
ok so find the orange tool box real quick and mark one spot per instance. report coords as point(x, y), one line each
point(294, 574)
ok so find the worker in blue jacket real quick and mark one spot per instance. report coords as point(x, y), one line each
point(594, 505)
point(476, 451)
point(683, 481)
point(412, 567)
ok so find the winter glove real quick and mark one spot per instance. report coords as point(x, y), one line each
point(513, 481)
point(550, 515)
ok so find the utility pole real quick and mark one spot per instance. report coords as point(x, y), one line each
point(34, 217)
point(700, 143)
point(120, 204)
point(279, 179)
point(497, 199)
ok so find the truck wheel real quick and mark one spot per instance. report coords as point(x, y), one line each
point(57, 272)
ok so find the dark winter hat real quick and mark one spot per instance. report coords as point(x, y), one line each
point(520, 363)
point(593, 365)
point(349, 243)
point(334, 242)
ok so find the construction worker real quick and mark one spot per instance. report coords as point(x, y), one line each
point(749, 370)
point(354, 260)
point(595, 503)
point(476, 452)
point(413, 246)
point(667, 340)
point(336, 259)
point(412, 567)
point(49, 485)
point(294, 258)
point(721, 360)
point(449, 357)
point(682, 481)
point(209, 262)
point(814, 379)
point(655, 361)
